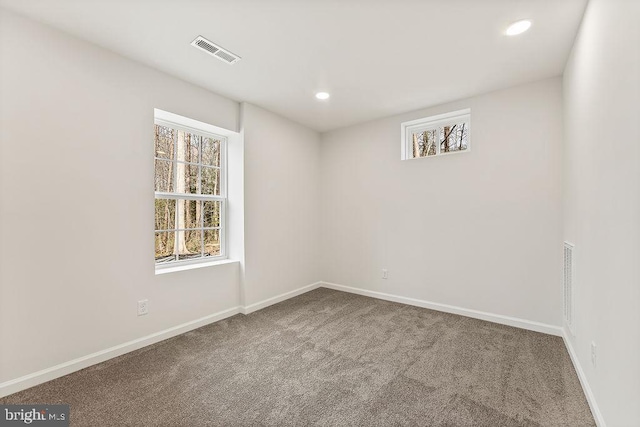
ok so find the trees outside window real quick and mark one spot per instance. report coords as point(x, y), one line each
point(189, 194)
point(436, 135)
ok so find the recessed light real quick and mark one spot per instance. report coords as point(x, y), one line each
point(322, 95)
point(518, 28)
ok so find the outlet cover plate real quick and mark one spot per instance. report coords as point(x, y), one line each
point(143, 307)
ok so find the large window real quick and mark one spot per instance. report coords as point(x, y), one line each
point(190, 194)
point(437, 135)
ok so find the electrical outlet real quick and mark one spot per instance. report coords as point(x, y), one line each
point(385, 273)
point(143, 307)
point(593, 353)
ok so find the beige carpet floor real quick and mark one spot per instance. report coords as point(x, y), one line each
point(331, 358)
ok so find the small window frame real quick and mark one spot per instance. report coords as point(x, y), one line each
point(407, 129)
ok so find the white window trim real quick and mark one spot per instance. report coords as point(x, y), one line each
point(165, 118)
point(182, 267)
point(433, 122)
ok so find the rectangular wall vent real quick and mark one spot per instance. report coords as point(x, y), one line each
point(568, 285)
point(214, 50)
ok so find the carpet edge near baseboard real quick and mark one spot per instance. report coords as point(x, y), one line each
point(51, 373)
point(481, 315)
point(582, 377)
point(62, 369)
point(30, 380)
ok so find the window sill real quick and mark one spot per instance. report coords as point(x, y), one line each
point(194, 266)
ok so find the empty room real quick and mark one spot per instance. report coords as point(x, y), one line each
point(320, 212)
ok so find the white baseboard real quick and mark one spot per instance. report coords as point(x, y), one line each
point(595, 410)
point(279, 298)
point(490, 317)
point(30, 380)
point(48, 374)
point(33, 379)
point(496, 318)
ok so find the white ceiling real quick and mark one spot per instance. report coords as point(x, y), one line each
point(375, 57)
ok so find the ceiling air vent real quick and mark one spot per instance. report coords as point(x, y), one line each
point(214, 50)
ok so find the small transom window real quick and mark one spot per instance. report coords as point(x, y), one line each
point(437, 135)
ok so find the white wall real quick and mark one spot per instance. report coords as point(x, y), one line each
point(499, 250)
point(76, 220)
point(281, 204)
point(76, 201)
point(602, 202)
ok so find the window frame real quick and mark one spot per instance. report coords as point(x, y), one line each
point(184, 124)
point(407, 129)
